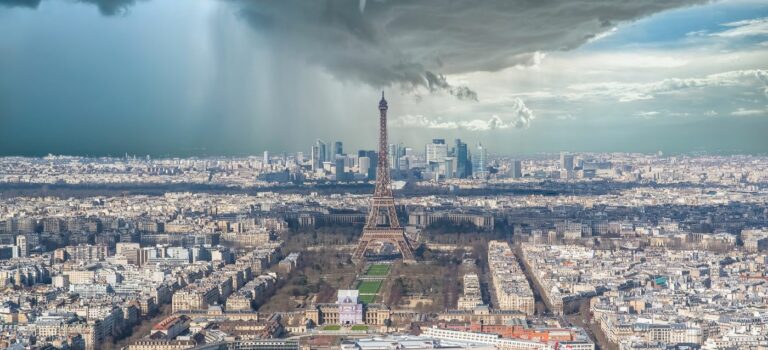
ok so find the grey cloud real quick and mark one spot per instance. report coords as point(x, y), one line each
point(745, 28)
point(106, 7)
point(111, 7)
point(514, 114)
point(414, 44)
point(342, 39)
point(744, 112)
point(437, 82)
point(628, 92)
point(20, 3)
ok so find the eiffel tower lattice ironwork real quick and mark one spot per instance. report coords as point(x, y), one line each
point(382, 224)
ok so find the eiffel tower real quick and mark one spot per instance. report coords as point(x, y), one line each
point(382, 224)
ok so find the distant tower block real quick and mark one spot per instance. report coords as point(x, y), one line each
point(382, 224)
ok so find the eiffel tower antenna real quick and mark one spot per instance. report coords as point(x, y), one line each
point(382, 224)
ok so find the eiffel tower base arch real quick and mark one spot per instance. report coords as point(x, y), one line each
point(394, 236)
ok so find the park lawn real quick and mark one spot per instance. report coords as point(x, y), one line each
point(359, 327)
point(332, 327)
point(367, 299)
point(377, 270)
point(369, 287)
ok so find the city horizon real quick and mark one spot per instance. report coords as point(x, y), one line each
point(272, 153)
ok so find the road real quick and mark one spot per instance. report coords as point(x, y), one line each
point(141, 330)
point(541, 307)
point(450, 288)
point(583, 319)
point(580, 319)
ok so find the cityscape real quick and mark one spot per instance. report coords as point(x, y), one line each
point(375, 225)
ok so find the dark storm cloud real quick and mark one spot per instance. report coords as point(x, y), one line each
point(106, 7)
point(414, 43)
point(20, 3)
point(110, 7)
point(437, 82)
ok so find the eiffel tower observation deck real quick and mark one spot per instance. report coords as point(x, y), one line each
point(382, 224)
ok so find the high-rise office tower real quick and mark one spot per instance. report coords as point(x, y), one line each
point(566, 161)
point(406, 158)
point(322, 151)
point(394, 155)
point(374, 157)
point(266, 158)
point(363, 165)
point(338, 148)
point(463, 162)
point(339, 167)
point(516, 169)
point(448, 167)
point(299, 157)
point(480, 163)
point(319, 154)
point(315, 158)
point(350, 160)
point(404, 163)
point(436, 151)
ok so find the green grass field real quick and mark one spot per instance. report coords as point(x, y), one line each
point(359, 327)
point(369, 287)
point(332, 327)
point(377, 270)
point(367, 299)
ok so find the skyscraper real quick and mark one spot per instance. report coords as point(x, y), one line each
point(406, 158)
point(448, 167)
point(266, 158)
point(363, 165)
point(315, 158)
point(463, 165)
point(373, 159)
point(394, 156)
point(436, 151)
point(338, 148)
point(516, 169)
point(339, 167)
point(319, 154)
point(480, 161)
point(322, 151)
point(566, 161)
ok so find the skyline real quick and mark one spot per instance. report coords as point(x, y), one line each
point(236, 78)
